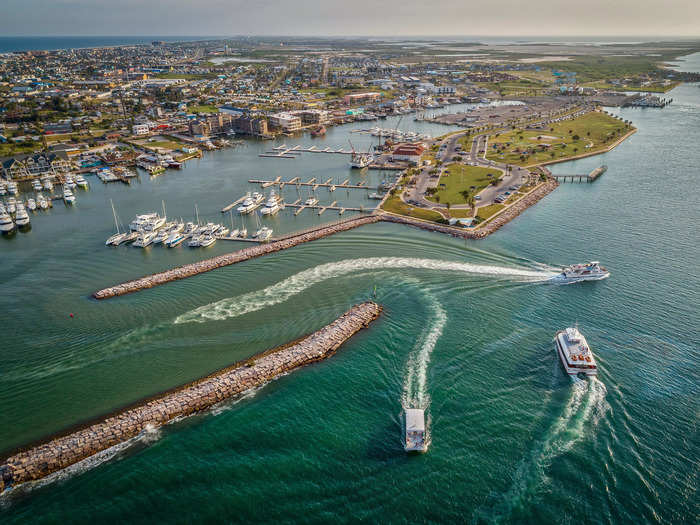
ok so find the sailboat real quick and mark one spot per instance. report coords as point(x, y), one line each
point(263, 233)
point(234, 231)
point(117, 238)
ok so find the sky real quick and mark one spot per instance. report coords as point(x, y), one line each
point(351, 17)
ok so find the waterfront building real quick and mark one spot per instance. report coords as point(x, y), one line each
point(287, 121)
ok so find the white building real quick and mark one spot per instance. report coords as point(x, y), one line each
point(140, 129)
point(285, 120)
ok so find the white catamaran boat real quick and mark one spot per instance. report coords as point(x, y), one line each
point(415, 430)
point(574, 353)
point(591, 271)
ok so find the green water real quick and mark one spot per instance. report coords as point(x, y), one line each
point(466, 332)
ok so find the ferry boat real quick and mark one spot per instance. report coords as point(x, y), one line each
point(591, 271)
point(272, 206)
point(414, 440)
point(251, 203)
point(574, 353)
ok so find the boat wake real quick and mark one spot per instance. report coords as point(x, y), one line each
point(283, 290)
point(583, 410)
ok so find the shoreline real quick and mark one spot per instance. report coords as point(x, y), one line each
point(57, 453)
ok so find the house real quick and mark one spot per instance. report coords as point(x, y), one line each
point(35, 165)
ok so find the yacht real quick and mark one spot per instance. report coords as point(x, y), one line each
point(272, 206)
point(195, 241)
point(175, 239)
point(69, 182)
point(80, 181)
point(190, 227)
point(36, 185)
point(12, 188)
point(6, 224)
point(42, 202)
point(31, 204)
point(21, 217)
point(68, 196)
point(251, 203)
point(263, 234)
point(574, 273)
point(207, 240)
point(11, 205)
point(574, 353)
point(311, 201)
point(414, 439)
point(147, 221)
point(3, 188)
point(161, 236)
point(145, 238)
point(48, 185)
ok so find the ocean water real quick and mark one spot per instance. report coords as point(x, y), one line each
point(466, 333)
point(33, 43)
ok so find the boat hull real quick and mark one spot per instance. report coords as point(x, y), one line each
point(572, 371)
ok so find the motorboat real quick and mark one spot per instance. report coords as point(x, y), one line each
point(36, 185)
point(207, 240)
point(80, 181)
point(251, 203)
point(6, 223)
point(272, 206)
point(145, 238)
point(21, 216)
point(263, 234)
point(574, 273)
point(48, 185)
point(11, 205)
point(31, 204)
point(42, 202)
point(311, 201)
point(69, 182)
point(174, 239)
point(574, 353)
point(12, 188)
point(414, 424)
point(68, 196)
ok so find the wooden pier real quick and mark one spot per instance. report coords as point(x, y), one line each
point(292, 152)
point(312, 182)
point(593, 175)
point(227, 208)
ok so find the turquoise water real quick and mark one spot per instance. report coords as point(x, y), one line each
point(466, 333)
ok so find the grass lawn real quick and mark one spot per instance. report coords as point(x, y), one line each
point(657, 87)
point(595, 131)
point(396, 205)
point(11, 149)
point(460, 178)
point(203, 109)
point(460, 213)
point(167, 144)
point(486, 212)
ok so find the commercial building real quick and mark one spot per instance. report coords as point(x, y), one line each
point(214, 124)
point(408, 152)
point(362, 98)
point(140, 129)
point(286, 120)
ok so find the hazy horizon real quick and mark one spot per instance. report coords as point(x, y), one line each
point(361, 18)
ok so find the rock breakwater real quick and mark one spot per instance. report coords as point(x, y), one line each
point(61, 452)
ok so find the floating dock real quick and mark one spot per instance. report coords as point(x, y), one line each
point(312, 182)
point(292, 152)
point(67, 449)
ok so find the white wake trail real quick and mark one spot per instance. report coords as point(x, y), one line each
point(283, 290)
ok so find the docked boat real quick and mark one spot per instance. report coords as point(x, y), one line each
point(36, 185)
point(207, 240)
point(3, 189)
point(273, 204)
point(42, 202)
point(195, 241)
point(263, 234)
point(415, 438)
point(31, 204)
point(574, 353)
point(574, 273)
point(190, 227)
point(360, 160)
point(139, 223)
point(6, 223)
point(69, 182)
point(251, 203)
point(375, 196)
point(68, 196)
point(48, 185)
point(242, 233)
point(319, 131)
point(311, 201)
point(175, 239)
point(12, 188)
point(21, 216)
point(80, 181)
point(145, 238)
point(11, 205)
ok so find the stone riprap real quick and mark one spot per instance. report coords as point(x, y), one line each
point(63, 451)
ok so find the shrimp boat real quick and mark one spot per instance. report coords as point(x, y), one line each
point(574, 353)
point(414, 439)
point(574, 273)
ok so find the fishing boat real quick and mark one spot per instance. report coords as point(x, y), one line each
point(414, 439)
point(574, 353)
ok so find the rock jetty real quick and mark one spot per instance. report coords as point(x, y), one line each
point(220, 261)
point(66, 450)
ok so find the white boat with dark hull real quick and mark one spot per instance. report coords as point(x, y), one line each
point(574, 353)
point(311, 201)
point(415, 438)
point(574, 273)
point(6, 223)
point(273, 204)
point(68, 196)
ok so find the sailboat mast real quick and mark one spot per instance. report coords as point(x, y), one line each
point(115, 215)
